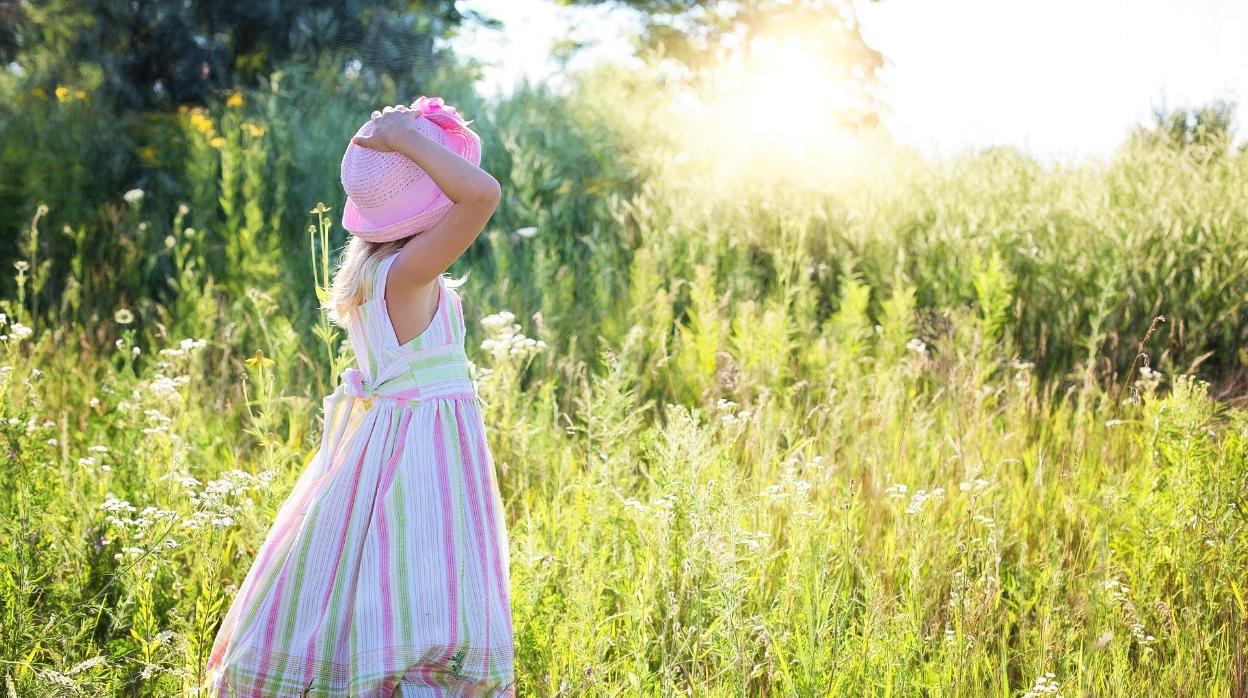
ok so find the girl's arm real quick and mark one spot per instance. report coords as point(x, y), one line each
point(474, 192)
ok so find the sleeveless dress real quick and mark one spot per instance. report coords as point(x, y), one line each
point(387, 565)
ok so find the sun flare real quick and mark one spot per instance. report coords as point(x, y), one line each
point(782, 108)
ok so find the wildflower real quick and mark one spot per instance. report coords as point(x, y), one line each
point(123, 316)
point(1046, 685)
point(527, 232)
point(235, 100)
point(134, 196)
point(508, 341)
point(917, 346)
point(978, 484)
point(217, 142)
point(21, 265)
point(897, 491)
point(147, 153)
point(922, 497)
point(21, 331)
point(63, 93)
point(201, 121)
point(259, 360)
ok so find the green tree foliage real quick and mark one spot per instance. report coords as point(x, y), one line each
point(1209, 128)
point(156, 55)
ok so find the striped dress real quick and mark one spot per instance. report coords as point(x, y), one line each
point(385, 572)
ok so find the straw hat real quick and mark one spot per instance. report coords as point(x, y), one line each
point(390, 197)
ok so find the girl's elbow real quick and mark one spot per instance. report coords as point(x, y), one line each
point(491, 191)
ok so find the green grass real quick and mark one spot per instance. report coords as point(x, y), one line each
point(886, 439)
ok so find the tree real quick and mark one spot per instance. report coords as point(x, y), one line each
point(156, 54)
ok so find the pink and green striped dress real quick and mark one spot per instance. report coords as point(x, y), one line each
point(387, 565)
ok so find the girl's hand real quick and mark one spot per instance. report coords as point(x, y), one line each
point(390, 125)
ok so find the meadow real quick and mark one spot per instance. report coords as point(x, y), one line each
point(970, 427)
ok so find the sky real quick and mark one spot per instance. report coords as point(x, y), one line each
point(1061, 79)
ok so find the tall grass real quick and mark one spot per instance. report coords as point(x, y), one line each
point(873, 440)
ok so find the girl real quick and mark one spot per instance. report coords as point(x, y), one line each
point(385, 572)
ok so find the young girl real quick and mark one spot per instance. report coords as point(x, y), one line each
point(385, 572)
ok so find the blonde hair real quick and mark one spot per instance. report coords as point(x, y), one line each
point(347, 289)
point(352, 272)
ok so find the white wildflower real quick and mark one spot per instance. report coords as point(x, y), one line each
point(134, 196)
point(20, 331)
point(922, 497)
point(1046, 685)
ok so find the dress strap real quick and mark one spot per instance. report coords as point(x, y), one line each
point(380, 274)
point(457, 312)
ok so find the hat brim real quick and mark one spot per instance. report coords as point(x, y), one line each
point(419, 208)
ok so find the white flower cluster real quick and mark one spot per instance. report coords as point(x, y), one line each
point(918, 500)
point(729, 415)
point(214, 501)
point(917, 347)
point(507, 339)
point(922, 497)
point(977, 484)
point(16, 329)
point(166, 388)
point(1045, 686)
point(158, 420)
point(1148, 380)
point(185, 347)
point(790, 483)
point(120, 515)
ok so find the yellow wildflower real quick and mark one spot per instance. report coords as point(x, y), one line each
point(80, 94)
point(259, 360)
point(253, 130)
point(217, 142)
point(201, 121)
point(147, 153)
point(62, 93)
point(235, 100)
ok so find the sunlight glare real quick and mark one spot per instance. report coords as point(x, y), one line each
point(778, 112)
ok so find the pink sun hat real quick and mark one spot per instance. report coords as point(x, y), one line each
point(389, 197)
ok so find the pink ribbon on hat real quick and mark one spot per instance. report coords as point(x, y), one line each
point(438, 111)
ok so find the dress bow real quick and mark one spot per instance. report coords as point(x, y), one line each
point(356, 384)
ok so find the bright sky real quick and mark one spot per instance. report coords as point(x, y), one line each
point(1060, 78)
